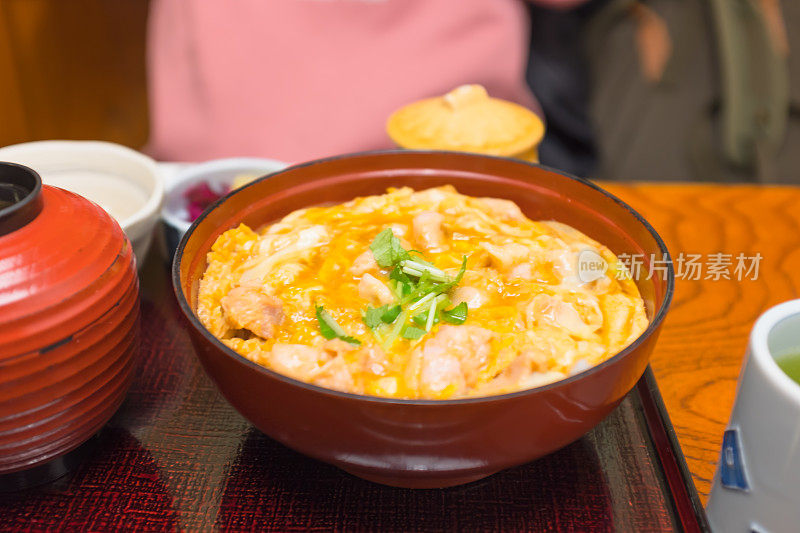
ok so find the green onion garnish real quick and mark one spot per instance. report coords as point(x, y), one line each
point(390, 314)
point(431, 314)
point(421, 319)
point(419, 303)
point(377, 316)
point(387, 249)
point(415, 268)
point(413, 333)
point(420, 289)
point(330, 329)
point(372, 316)
point(395, 332)
point(456, 315)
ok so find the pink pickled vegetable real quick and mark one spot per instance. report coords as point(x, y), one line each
point(200, 196)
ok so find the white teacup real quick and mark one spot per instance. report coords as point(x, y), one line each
point(757, 482)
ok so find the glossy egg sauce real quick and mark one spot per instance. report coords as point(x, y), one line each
point(428, 294)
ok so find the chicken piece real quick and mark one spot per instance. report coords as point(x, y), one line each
point(509, 378)
point(471, 222)
point(275, 249)
point(386, 387)
point(589, 308)
point(624, 322)
point(335, 374)
point(601, 285)
point(373, 359)
point(286, 273)
point(337, 347)
point(473, 297)
point(453, 358)
point(440, 371)
point(569, 234)
point(254, 310)
point(372, 289)
point(296, 239)
point(433, 196)
point(296, 360)
point(502, 209)
point(579, 366)
point(556, 312)
point(289, 223)
point(565, 266)
point(521, 271)
point(538, 379)
point(427, 229)
point(399, 231)
point(521, 374)
point(313, 365)
point(433, 372)
point(470, 344)
point(506, 256)
point(364, 263)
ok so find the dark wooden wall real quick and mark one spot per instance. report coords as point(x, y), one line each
point(73, 69)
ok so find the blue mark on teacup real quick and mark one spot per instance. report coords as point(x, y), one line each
point(732, 474)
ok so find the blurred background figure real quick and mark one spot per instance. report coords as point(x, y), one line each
point(303, 79)
point(558, 72)
point(701, 90)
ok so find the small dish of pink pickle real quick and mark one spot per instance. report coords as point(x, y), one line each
point(200, 196)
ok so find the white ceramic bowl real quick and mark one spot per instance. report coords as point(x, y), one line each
point(218, 172)
point(122, 181)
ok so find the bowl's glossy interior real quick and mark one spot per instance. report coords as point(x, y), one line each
point(425, 443)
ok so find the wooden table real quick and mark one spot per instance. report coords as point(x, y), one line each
point(700, 351)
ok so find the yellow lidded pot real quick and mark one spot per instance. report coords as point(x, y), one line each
point(467, 119)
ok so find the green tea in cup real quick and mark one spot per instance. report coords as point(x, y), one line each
point(790, 364)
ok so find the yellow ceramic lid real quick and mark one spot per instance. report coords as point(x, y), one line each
point(466, 119)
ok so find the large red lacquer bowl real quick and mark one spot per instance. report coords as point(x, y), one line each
point(69, 310)
point(425, 443)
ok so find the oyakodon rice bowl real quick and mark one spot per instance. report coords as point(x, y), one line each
point(428, 294)
point(414, 442)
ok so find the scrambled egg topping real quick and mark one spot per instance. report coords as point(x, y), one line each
point(375, 296)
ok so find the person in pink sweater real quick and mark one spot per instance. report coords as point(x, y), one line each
point(300, 79)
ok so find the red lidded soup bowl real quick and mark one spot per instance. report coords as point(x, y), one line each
point(69, 312)
point(425, 443)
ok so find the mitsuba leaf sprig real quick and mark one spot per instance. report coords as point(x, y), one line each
point(420, 289)
point(330, 329)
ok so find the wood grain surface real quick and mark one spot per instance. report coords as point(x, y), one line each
point(701, 348)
